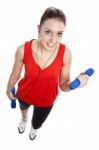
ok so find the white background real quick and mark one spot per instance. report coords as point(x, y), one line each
point(74, 121)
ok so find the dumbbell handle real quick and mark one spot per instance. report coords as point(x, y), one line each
point(75, 83)
point(13, 101)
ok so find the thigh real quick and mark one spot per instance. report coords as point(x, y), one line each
point(23, 105)
point(39, 115)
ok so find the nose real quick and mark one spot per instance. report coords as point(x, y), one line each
point(53, 39)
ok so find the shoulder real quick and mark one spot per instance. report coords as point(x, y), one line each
point(67, 58)
point(20, 48)
point(20, 52)
point(67, 51)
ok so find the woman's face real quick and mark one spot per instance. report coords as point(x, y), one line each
point(51, 32)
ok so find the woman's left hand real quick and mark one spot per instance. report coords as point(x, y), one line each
point(83, 79)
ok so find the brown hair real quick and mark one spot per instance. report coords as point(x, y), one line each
point(52, 12)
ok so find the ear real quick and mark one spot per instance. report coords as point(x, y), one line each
point(38, 28)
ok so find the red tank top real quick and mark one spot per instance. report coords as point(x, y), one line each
point(39, 87)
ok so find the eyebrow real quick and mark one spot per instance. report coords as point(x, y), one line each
point(51, 30)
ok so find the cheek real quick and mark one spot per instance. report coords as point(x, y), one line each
point(44, 39)
point(59, 40)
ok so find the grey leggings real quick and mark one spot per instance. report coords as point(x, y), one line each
point(40, 114)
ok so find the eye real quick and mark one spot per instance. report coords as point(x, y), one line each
point(60, 34)
point(47, 32)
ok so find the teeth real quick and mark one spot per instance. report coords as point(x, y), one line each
point(50, 45)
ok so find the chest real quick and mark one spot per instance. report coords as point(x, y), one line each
point(47, 65)
point(43, 60)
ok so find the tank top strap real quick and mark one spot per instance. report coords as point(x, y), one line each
point(27, 50)
point(61, 53)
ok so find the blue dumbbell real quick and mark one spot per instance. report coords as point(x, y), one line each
point(13, 101)
point(74, 84)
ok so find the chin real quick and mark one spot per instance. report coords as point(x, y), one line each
point(50, 47)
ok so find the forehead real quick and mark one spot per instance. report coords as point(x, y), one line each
point(53, 24)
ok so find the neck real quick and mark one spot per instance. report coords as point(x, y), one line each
point(42, 47)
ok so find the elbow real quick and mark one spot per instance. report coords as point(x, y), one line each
point(16, 77)
point(64, 88)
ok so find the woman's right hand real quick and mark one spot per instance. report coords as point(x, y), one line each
point(10, 95)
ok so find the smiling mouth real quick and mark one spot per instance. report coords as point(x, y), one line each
point(50, 45)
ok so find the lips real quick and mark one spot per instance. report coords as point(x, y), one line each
point(50, 45)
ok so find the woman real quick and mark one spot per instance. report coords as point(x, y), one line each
point(47, 64)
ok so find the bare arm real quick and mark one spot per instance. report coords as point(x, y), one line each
point(64, 79)
point(16, 71)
